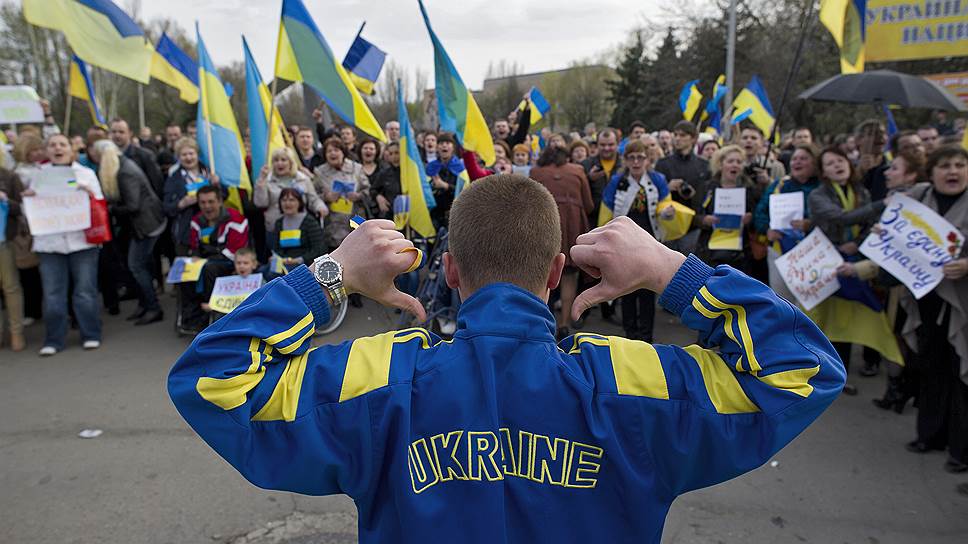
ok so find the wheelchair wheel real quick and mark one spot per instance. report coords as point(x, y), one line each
point(335, 320)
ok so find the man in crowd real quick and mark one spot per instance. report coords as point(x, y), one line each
point(216, 234)
point(191, 130)
point(392, 130)
point(600, 167)
point(687, 175)
point(146, 140)
point(517, 134)
point(435, 440)
point(930, 138)
point(348, 136)
point(306, 149)
point(801, 136)
point(666, 141)
point(166, 155)
point(145, 159)
point(94, 134)
point(762, 169)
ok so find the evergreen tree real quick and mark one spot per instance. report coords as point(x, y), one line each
point(628, 89)
point(663, 80)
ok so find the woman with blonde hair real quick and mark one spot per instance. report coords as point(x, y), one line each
point(283, 173)
point(132, 200)
point(727, 167)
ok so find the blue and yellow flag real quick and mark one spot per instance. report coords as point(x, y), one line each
point(412, 175)
point(81, 86)
point(219, 138)
point(99, 32)
point(753, 103)
point(258, 100)
point(713, 110)
point(174, 67)
point(845, 21)
point(363, 63)
point(303, 55)
point(690, 99)
point(539, 105)
point(457, 110)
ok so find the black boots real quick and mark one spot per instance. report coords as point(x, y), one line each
point(895, 397)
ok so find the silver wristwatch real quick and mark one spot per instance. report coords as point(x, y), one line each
point(329, 274)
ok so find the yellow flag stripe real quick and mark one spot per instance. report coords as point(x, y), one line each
point(744, 329)
point(284, 401)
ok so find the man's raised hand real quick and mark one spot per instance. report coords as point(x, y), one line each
point(372, 256)
point(626, 258)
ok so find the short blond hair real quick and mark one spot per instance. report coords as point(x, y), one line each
point(505, 228)
point(716, 162)
point(183, 142)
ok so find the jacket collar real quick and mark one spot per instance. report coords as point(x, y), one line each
point(503, 309)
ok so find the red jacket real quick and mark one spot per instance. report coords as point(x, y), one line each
point(229, 234)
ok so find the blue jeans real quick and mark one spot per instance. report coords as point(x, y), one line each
point(57, 271)
point(141, 264)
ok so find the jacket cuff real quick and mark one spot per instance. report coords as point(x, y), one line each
point(304, 284)
point(690, 277)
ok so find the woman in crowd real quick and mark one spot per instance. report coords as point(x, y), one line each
point(369, 152)
point(428, 149)
point(342, 184)
point(708, 148)
point(130, 197)
point(284, 173)
point(13, 298)
point(578, 151)
point(642, 195)
point(568, 184)
point(444, 173)
point(296, 236)
point(937, 323)
point(501, 150)
point(30, 154)
point(68, 259)
point(558, 140)
point(802, 179)
point(652, 148)
point(179, 198)
point(842, 209)
point(727, 173)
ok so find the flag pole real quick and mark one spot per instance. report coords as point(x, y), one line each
point(730, 66)
point(67, 109)
point(202, 103)
point(141, 107)
point(791, 75)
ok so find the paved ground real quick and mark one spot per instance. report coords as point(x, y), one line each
point(149, 479)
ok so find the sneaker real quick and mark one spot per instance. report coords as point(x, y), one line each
point(47, 351)
point(92, 344)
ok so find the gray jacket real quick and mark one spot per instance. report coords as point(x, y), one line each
point(137, 200)
point(828, 214)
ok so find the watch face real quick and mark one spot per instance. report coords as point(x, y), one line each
point(328, 271)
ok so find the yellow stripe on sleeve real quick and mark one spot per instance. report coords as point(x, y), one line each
point(724, 390)
point(295, 345)
point(291, 331)
point(284, 400)
point(230, 393)
point(744, 329)
point(794, 381)
point(637, 369)
point(368, 365)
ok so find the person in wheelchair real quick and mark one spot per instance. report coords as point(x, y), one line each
point(216, 233)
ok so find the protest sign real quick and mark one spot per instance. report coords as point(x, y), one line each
point(58, 212)
point(729, 207)
point(20, 104)
point(730, 201)
point(185, 269)
point(785, 208)
point(342, 204)
point(913, 244)
point(230, 291)
point(52, 180)
point(810, 269)
point(913, 30)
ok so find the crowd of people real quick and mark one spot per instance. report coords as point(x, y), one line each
point(164, 203)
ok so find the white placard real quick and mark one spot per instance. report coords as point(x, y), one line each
point(20, 104)
point(230, 291)
point(913, 244)
point(57, 213)
point(810, 269)
point(53, 180)
point(784, 209)
point(730, 201)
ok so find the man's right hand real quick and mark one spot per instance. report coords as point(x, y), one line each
point(626, 258)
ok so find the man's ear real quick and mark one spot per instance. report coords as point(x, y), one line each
point(450, 271)
point(554, 275)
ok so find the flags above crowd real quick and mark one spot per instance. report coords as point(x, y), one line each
point(456, 108)
point(412, 176)
point(690, 99)
point(175, 68)
point(264, 140)
point(363, 63)
point(713, 110)
point(80, 86)
point(303, 55)
point(753, 103)
point(539, 105)
point(845, 19)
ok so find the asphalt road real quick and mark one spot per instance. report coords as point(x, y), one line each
point(149, 479)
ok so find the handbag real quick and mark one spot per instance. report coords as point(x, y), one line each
point(100, 230)
point(22, 242)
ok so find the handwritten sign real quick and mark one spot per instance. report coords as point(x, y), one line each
point(785, 208)
point(730, 201)
point(52, 180)
point(230, 291)
point(913, 244)
point(810, 269)
point(20, 104)
point(58, 212)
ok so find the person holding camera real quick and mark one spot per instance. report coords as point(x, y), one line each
point(688, 175)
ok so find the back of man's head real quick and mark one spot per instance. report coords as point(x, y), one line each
point(505, 228)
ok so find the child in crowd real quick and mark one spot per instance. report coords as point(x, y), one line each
point(246, 264)
point(521, 159)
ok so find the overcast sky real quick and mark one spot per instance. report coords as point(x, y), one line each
point(539, 35)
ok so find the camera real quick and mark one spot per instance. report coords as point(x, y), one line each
point(687, 191)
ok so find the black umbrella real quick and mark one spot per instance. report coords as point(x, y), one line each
point(884, 87)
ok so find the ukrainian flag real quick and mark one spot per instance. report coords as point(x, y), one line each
point(412, 175)
point(539, 105)
point(753, 103)
point(713, 110)
point(98, 31)
point(457, 111)
point(174, 67)
point(690, 99)
point(258, 99)
point(363, 63)
point(218, 133)
point(80, 86)
point(845, 21)
point(303, 55)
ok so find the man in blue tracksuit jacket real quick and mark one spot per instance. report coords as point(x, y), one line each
point(500, 435)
